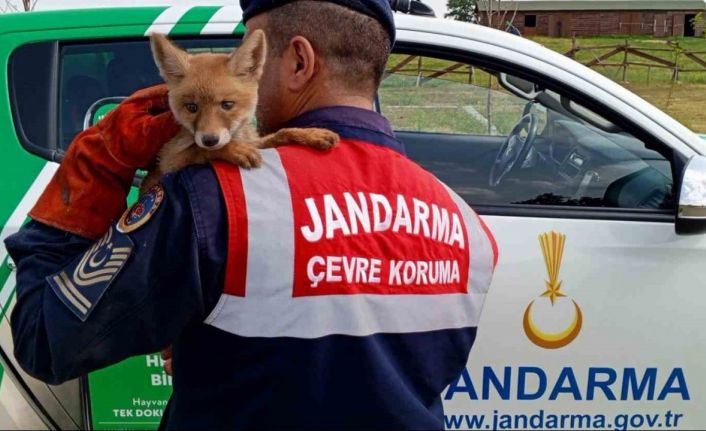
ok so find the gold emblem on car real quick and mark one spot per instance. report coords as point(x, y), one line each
point(552, 244)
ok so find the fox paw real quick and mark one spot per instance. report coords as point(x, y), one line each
point(245, 156)
point(322, 139)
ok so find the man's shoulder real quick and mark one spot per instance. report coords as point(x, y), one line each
point(196, 186)
point(369, 159)
point(197, 175)
point(191, 181)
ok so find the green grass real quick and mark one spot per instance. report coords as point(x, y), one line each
point(449, 105)
point(684, 100)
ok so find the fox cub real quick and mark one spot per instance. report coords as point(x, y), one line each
point(213, 97)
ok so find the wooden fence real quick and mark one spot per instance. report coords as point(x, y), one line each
point(413, 65)
point(669, 56)
point(622, 56)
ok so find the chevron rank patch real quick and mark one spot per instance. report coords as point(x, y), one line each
point(140, 213)
point(82, 284)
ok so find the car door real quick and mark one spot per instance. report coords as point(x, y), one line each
point(592, 315)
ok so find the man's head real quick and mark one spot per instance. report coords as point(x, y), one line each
point(321, 54)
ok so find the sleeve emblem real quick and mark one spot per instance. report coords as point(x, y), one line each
point(140, 213)
point(82, 284)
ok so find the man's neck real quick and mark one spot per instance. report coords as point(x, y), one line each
point(352, 101)
point(323, 97)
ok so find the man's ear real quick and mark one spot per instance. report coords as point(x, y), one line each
point(248, 60)
point(172, 61)
point(302, 63)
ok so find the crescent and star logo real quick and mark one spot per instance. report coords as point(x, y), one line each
point(552, 244)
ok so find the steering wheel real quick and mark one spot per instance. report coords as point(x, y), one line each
point(515, 148)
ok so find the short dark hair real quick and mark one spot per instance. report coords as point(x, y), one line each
point(355, 50)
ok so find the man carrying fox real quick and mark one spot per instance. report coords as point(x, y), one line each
point(216, 258)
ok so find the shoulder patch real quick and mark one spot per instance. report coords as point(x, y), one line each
point(82, 284)
point(140, 213)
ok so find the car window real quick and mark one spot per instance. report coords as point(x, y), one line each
point(457, 119)
point(423, 94)
point(495, 147)
point(96, 72)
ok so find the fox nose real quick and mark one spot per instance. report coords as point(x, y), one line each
point(209, 140)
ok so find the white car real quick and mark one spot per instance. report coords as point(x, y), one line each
point(596, 197)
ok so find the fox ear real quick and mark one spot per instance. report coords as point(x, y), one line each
point(247, 61)
point(172, 61)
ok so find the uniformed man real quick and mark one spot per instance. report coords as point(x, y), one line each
point(336, 289)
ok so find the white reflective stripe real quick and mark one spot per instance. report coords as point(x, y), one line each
point(224, 21)
point(481, 261)
point(357, 315)
point(165, 22)
point(270, 229)
point(270, 265)
point(268, 308)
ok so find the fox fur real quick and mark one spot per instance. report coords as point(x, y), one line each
point(213, 97)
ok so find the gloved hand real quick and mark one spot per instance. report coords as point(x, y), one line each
point(89, 189)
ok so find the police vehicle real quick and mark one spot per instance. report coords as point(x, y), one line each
point(596, 197)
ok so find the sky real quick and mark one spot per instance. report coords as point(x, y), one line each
point(439, 6)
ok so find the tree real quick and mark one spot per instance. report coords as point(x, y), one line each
point(29, 4)
point(11, 6)
point(495, 13)
point(462, 10)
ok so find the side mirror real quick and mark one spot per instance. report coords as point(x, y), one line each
point(691, 210)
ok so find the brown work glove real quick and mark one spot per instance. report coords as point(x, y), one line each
point(88, 191)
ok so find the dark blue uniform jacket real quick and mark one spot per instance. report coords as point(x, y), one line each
point(171, 282)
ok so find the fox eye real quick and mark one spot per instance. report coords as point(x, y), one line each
point(191, 107)
point(227, 105)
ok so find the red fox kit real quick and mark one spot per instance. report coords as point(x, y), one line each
point(213, 97)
